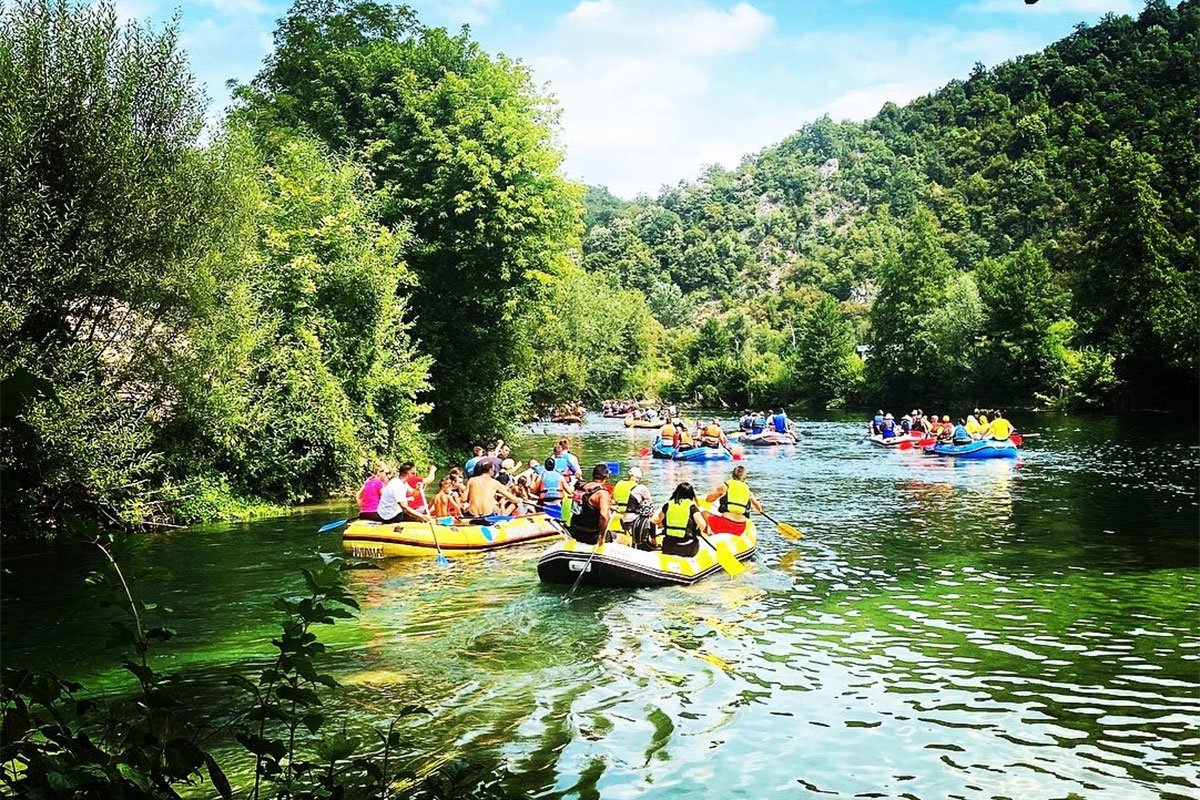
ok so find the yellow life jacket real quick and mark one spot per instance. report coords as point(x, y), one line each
point(685, 438)
point(621, 493)
point(714, 431)
point(1001, 428)
point(667, 432)
point(678, 520)
point(736, 497)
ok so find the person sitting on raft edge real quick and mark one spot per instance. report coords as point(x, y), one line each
point(734, 501)
point(713, 435)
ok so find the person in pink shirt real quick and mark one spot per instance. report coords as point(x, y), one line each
point(368, 495)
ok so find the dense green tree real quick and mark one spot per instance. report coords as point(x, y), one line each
point(824, 354)
point(1023, 300)
point(461, 146)
point(913, 285)
point(109, 215)
point(1137, 304)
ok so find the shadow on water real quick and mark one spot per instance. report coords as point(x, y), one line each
point(946, 628)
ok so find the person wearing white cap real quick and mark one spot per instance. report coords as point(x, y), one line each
point(633, 501)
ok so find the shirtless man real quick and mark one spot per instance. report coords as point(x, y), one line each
point(482, 491)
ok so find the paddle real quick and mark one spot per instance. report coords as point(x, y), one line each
point(785, 530)
point(441, 559)
point(586, 567)
point(726, 559)
point(736, 456)
point(645, 451)
point(332, 526)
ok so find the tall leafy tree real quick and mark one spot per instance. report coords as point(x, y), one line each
point(1138, 295)
point(824, 353)
point(109, 211)
point(460, 145)
point(912, 286)
point(1021, 353)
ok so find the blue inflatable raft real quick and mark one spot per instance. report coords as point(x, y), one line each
point(703, 454)
point(984, 448)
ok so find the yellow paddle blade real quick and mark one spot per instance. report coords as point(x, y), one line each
point(728, 561)
point(788, 532)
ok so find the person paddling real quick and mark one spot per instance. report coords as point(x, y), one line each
point(681, 521)
point(734, 499)
point(591, 507)
point(395, 501)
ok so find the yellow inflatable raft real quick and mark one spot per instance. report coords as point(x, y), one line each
point(366, 539)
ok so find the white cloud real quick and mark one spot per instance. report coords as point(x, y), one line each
point(1059, 7)
point(637, 83)
point(863, 103)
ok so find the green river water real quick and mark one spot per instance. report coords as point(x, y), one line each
point(946, 629)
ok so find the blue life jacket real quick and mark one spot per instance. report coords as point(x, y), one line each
point(470, 466)
point(780, 422)
point(562, 464)
point(553, 483)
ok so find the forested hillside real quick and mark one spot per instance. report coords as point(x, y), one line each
point(1025, 235)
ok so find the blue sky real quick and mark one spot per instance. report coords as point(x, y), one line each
point(651, 92)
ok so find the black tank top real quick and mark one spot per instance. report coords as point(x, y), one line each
point(585, 517)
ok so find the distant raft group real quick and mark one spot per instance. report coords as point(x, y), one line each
point(982, 434)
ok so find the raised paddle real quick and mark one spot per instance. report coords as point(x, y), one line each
point(441, 559)
point(785, 530)
point(332, 526)
point(726, 559)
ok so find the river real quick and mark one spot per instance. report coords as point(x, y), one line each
point(946, 629)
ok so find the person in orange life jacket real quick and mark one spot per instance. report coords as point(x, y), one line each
point(681, 520)
point(591, 507)
point(712, 435)
point(734, 500)
point(683, 437)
